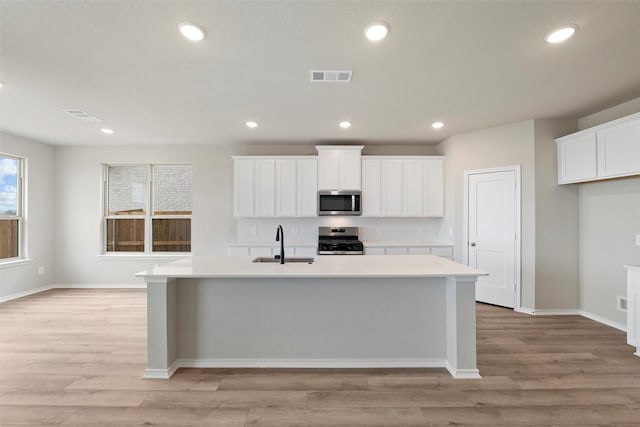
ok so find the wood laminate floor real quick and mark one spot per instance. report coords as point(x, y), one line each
point(76, 357)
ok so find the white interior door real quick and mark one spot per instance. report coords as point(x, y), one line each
point(492, 224)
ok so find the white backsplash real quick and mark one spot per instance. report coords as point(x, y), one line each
point(305, 230)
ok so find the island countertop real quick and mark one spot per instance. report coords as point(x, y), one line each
point(338, 266)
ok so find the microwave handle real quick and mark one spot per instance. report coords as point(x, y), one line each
point(353, 202)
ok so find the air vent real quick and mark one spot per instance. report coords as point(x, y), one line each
point(332, 76)
point(83, 115)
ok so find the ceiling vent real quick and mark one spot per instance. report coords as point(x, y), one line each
point(332, 76)
point(83, 115)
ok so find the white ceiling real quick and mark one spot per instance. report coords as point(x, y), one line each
point(472, 64)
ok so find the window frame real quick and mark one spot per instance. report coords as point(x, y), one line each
point(20, 211)
point(148, 216)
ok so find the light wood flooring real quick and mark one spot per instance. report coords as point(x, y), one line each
point(76, 357)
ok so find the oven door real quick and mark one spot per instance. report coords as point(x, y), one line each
point(339, 203)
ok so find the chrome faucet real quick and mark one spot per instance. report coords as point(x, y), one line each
point(280, 238)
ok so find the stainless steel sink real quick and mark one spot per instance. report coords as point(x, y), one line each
point(287, 260)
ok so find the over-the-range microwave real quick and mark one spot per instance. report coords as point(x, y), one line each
point(333, 202)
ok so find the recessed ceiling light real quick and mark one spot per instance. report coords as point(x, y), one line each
point(376, 31)
point(1, 84)
point(107, 131)
point(345, 125)
point(251, 124)
point(561, 34)
point(191, 31)
point(437, 125)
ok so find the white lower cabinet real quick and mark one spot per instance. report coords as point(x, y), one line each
point(397, 251)
point(269, 251)
point(377, 250)
point(441, 251)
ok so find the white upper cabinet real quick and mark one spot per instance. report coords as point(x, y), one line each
point(577, 158)
point(433, 187)
point(403, 186)
point(339, 167)
point(391, 187)
point(412, 184)
point(371, 186)
point(286, 184)
point(606, 151)
point(266, 186)
point(244, 182)
point(307, 183)
point(619, 149)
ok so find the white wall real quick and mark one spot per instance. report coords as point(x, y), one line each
point(78, 221)
point(549, 230)
point(507, 145)
point(556, 232)
point(39, 221)
point(609, 220)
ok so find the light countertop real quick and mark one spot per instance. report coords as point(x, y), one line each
point(365, 243)
point(373, 266)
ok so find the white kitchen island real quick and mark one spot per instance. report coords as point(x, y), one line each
point(339, 312)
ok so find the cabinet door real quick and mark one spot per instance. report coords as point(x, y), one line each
point(238, 251)
point(371, 187)
point(391, 188)
point(261, 251)
point(397, 251)
point(377, 250)
point(412, 185)
point(577, 158)
point(286, 188)
point(265, 188)
point(350, 170)
point(307, 203)
point(619, 149)
point(244, 181)
point(328, 169)
point(433, 187)
point(443, 251)
point(418, 251)
point(306, 251)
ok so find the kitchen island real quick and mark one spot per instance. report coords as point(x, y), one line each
point(338, 312)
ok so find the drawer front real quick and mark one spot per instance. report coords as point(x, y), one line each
point(445, 252)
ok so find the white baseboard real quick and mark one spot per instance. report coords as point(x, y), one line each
point(162, 374)
point(620, 326)
point(574, 312)
point(100, 286)
point(524, 310)
point(72, 286)
point(311, 363)
point(24, 293)
point(557, 312)
point(463, 374)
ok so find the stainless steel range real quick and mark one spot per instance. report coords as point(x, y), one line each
point(339, 241)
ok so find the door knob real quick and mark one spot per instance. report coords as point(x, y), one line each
point(472, 244)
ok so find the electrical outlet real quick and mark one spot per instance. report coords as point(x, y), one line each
point(637, 239)
point(254, 230)
point(621, 303)
point(41, 271)
point(450, 231)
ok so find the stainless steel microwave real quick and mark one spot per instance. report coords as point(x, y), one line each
point(339, 202)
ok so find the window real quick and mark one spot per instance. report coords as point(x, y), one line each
point(11, 212)
point(148, 208)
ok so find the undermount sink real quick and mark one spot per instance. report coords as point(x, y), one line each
point(287, 260)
